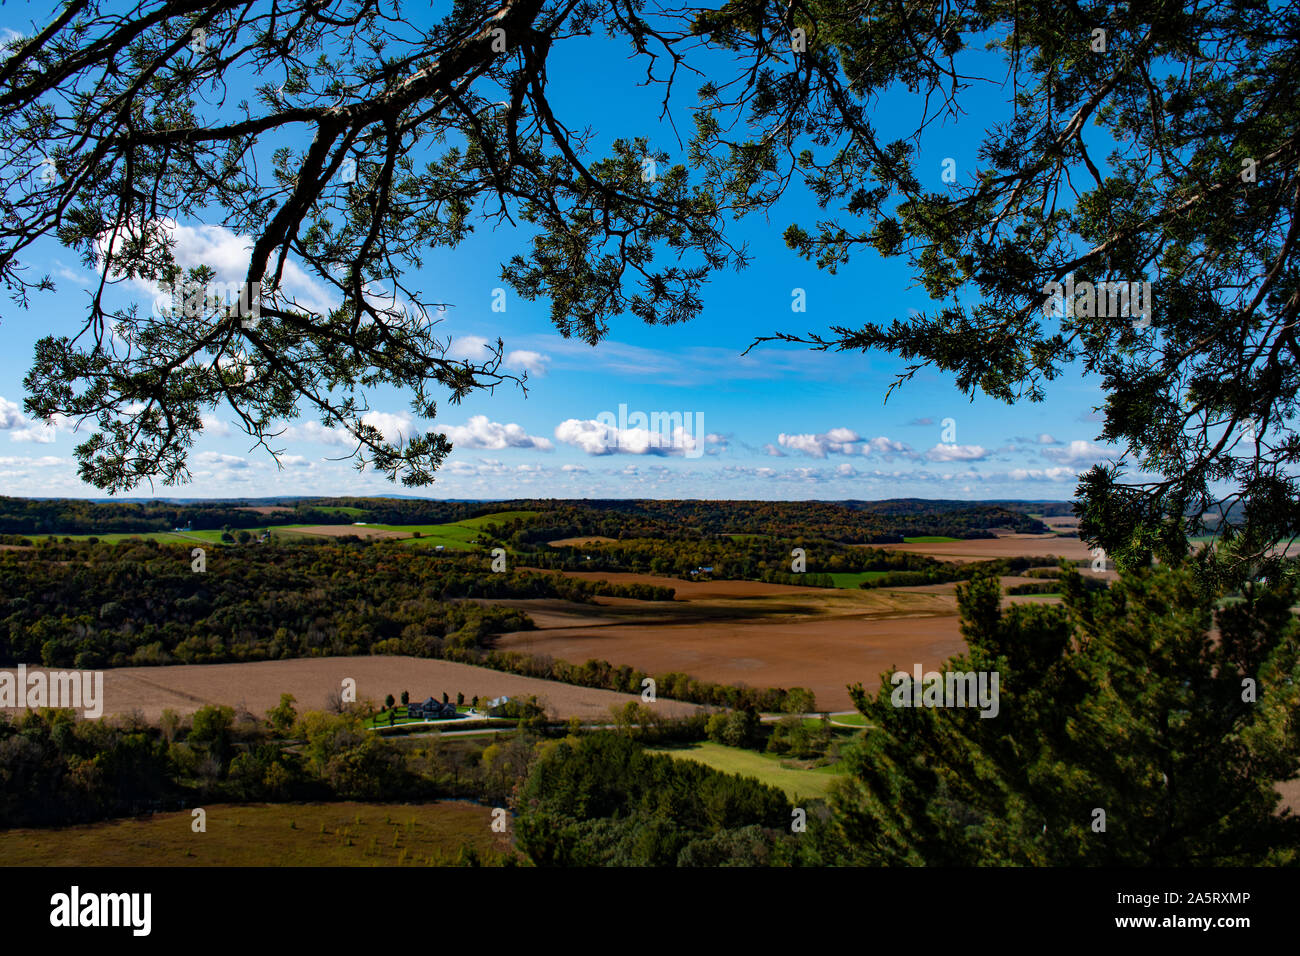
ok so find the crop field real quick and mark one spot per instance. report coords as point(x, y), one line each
point(1003, 546)
point(750, 632)
point(454, 536)
point(257, 686)
point(284, 834)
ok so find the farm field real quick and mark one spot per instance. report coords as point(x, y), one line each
point(1003, 546)
point(690, 590)
point(797, 783)
point(268, 834)
point(166, 537)
point(257, 686)
point(454, 536)
point(851, 579)
point(762, 635)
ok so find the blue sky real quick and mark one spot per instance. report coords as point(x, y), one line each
point(781, 423)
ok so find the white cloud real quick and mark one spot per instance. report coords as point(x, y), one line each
point(1078, 453)
point(835, 441)
point(395, 426)
point(469, 348)
point(773, 451)
point(957, 453)
point(599, 438)
point(479, 432)
point(1038, 474)
point(227, 254)
point(534, 363)
point(216, 459)
point(215, 426)
point(574, 469)
point(846, 470)
point(11, 415)
point(313, 431)
point(24, 429)
point(45, 461)
point(887, 448)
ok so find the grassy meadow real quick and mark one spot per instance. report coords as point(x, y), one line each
point(287, 834)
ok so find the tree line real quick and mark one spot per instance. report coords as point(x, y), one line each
point(140, 602)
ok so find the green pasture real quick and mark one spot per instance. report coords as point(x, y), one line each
point(851, 579)
point(766, 768)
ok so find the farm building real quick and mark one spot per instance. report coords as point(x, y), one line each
point(430, 710)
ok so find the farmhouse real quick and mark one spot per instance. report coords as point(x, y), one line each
point(430, 710)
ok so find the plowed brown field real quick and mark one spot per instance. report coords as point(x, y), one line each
point(257, 686)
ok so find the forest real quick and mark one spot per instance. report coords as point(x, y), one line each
point(853, 522)
point(62, 605)
point(579, 797)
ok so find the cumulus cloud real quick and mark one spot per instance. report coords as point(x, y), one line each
point(316, 432)
point(1043, 438)
point(534, 363)
point(11, 415)
point(24, 429)
point(469, 348)
point(773, 451)
point(227, 254)
point(394, 426)
point(1038, 474)
point(600, 438)
point(215, 459)
point(215, 426)
point(836, 441)
point(479, 432)
point(943, 452)
point(1078, 453)
point(887, 448)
